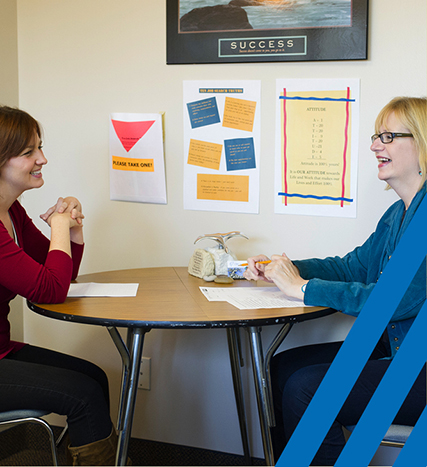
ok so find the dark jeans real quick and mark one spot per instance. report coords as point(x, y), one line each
point(37, 378)
point(296, 375)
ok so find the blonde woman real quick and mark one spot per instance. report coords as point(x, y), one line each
point(400, 146)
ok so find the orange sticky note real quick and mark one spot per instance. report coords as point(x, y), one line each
point(223, 187)
point(136, 165)
point(239, 114)
point(204, 154)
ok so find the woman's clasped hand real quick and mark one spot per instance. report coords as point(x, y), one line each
point(69, 207)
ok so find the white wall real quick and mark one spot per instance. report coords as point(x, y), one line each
point(8, 53)
point(80, 60)
point(9, 95)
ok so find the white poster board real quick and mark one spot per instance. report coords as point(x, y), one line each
point(222, 145)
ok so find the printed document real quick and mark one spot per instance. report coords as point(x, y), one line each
point(251, 298)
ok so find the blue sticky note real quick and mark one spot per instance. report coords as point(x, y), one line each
point(203, 113)
point(240, 153)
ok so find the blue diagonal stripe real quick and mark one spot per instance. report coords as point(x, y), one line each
point(414, 453)
point(352, 357)
point(389, 396)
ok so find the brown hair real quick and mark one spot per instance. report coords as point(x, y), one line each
point(17, 129)
point(412, 113)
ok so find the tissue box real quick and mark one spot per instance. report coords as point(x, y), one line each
point(235, 270)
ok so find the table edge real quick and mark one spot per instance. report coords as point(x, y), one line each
point(178, 324)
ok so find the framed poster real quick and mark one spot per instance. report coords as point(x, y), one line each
point(224, 31)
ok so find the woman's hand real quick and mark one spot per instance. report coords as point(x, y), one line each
point(285, 275)
point(255, 270)
point(68, 205)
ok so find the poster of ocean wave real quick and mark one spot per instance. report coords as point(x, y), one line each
point(284, 14)
point(233, 31)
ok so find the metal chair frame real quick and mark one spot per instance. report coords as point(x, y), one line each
point(396, 435)
point(18, 417)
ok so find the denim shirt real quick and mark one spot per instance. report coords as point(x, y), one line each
point(345, 283)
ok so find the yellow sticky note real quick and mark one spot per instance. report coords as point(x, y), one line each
point(223, 187)
point(239, 114)
point(135, 165)
point(204, 154)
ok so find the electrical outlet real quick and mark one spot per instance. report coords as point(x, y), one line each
point(144, 381)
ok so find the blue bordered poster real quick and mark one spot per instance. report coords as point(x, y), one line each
point(317, 128)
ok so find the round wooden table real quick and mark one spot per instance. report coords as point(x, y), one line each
point(171, 298)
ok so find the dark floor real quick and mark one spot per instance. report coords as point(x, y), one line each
point(28, 445)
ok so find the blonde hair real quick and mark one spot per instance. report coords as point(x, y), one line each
point(412, 113)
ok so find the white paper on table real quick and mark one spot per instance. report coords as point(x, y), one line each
point(214, 294)
point(93, 289)
point(137, 165)
point(250, 298)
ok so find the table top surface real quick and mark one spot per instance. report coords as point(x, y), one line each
point(167, 297)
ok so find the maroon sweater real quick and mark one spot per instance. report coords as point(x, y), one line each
point(30, 270)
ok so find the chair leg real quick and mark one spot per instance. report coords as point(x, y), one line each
point(61, 436)
point(35, 419)
point(51, 439)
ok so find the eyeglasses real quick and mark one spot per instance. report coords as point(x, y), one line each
point(387, 136)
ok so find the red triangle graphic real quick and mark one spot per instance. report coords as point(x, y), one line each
point(130, 133)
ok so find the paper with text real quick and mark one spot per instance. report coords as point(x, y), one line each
point(317, 147)
point(137, 167)
point(222, 145)
point(251, 298)
point(223, 187)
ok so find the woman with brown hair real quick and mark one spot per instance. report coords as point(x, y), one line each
point(40, 270)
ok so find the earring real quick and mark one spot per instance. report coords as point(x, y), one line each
point(420, 173)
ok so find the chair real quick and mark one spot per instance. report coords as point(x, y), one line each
point(396, 435)
point(17, 417)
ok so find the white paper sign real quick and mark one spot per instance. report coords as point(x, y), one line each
point(137, 167)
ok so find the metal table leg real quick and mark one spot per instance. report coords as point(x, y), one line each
point(131, 354)
point(261, 371)
point(124, 353)
point(261, 390)
point(129, 387)
point(267, 374)
point(236, 361)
